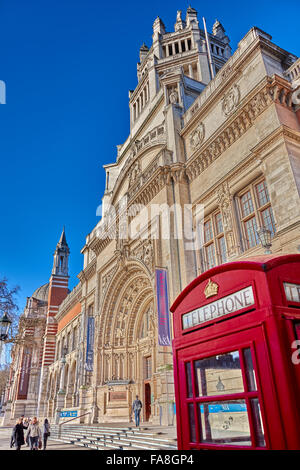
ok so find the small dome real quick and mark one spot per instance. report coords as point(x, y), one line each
point(42, 293)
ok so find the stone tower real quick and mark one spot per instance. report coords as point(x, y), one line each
point(58, 291)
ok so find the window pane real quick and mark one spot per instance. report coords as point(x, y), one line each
point(247, 204)
point(225, 423)
point(192, 423)
point(210, 256)
point(207, 231)
point(222, 250)
point(251, 232)
point(262, 193)
point(189, 384)
point(297, 330)
point(249, 369)
point(218, 375)
point(268, 220)
point(257, 422)
point(219, 223)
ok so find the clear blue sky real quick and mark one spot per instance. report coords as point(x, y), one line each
point(68, 66)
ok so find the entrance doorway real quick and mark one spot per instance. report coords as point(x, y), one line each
point(147, 401)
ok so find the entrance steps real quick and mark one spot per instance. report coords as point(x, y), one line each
point(110, 437)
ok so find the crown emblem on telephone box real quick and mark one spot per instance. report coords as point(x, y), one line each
point(211, 289)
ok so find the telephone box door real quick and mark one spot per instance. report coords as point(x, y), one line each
point(223, 403)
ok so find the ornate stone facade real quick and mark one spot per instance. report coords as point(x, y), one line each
point(230, 143)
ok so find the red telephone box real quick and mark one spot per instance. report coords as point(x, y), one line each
point(236, 362)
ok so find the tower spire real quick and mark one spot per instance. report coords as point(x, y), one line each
point(61, 255)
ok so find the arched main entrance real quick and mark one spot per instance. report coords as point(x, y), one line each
point(126, 343)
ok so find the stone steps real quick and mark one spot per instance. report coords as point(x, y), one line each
point(109, 437)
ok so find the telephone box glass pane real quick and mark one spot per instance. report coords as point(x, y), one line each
point(297, 329)
point(258, 424)
point(249, 370)
point(192, 422)
point(219, 375)
point(189, 379)
point(225, 423)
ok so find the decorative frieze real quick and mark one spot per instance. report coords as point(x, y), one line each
point(234, 130)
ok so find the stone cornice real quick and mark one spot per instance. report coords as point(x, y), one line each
point(281, 132)
point(89, 271)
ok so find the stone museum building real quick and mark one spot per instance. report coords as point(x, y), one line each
point(210, 128)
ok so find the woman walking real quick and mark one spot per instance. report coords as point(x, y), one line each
point(35, 434)
point(46, 432)
point(17, 438)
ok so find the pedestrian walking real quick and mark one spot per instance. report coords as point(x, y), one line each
point(46, 432)
point(35, 434)
point(25, 422)
point(17, 437)
point(136, 408)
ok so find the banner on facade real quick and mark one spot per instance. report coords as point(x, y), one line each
point(90, 345)
point(162, 299)
point(24, 375)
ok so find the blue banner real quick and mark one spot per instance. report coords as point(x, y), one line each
point(90, 345)
point(164, 338)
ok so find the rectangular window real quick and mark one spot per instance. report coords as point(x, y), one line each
point(193, 437)
point(256, 212)
point(214, 251)
point(219, 375)
point(262, 193)
point(189, 379)
point(251, 232)
point(219, 223)
point(147, 367)
point(225, 422)
point(268, 219)
point(210, 256)
point(247, 204)
point(249, 369)
point(257, 422)
point(221, 409)
point(222, 249)
point(208, 234)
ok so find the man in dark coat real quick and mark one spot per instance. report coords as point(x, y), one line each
point(136, 409)
point(17, 437)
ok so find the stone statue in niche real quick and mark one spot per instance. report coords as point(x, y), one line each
point(173, 96)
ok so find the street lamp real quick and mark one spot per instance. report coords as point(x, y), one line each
point(5, 323)
point(264, 236)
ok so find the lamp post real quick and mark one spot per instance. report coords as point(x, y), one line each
point(5, 323)
point(264, 236)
